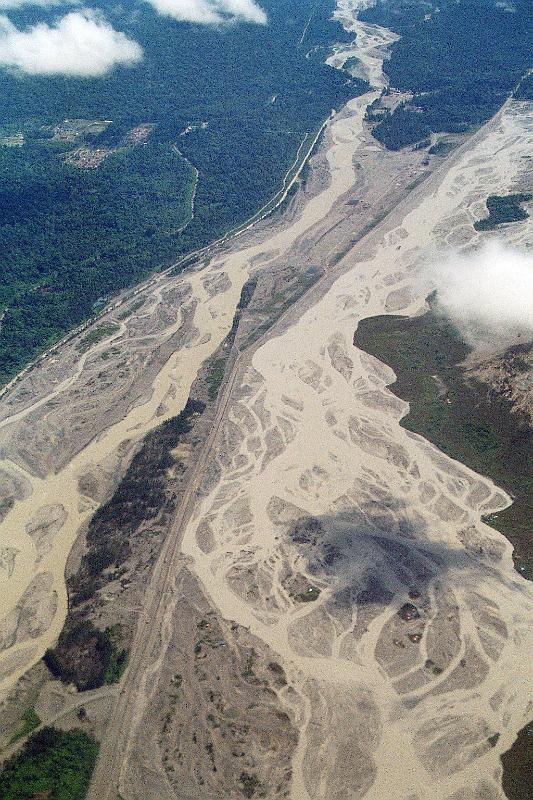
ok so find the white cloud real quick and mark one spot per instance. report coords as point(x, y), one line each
point(80, 44)
point(488, 294)
point(211, 12)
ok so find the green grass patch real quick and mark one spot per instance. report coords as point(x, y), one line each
point(53, 764)
point(131, 310)
point(30, 721)
point(442, 148)
point(503, 209)
point(117, 658)
point(215, 376)
point(96, 335)
point(311, 594)
point(248, 671)
point(463, 417)
point(279, 303)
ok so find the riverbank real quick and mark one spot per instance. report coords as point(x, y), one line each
point(462, 416)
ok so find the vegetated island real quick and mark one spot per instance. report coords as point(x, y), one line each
point(503, 209)
point(475, 425)
point(85, 655)
point(53, 765)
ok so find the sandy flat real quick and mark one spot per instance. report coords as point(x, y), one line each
point(412, 662)
point(64, 419)
point(351, 548)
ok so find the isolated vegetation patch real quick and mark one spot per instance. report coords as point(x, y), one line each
point(53, 765)
point(503, 209)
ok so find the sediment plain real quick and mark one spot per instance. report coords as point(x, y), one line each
point(80, 411)
point(416, 614)
point(342, 622)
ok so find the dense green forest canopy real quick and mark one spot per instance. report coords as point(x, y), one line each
point(53, 764)
point(460, 58)
point(246, 95)
point(503, 209)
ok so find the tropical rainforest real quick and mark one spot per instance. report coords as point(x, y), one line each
point(460, 59)
point(228, 109)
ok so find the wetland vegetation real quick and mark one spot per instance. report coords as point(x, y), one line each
point(473, 424)
point(464, 417)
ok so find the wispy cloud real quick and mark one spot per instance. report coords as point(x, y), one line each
point(488, 294)
point(80, 44)
point(211, 12)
